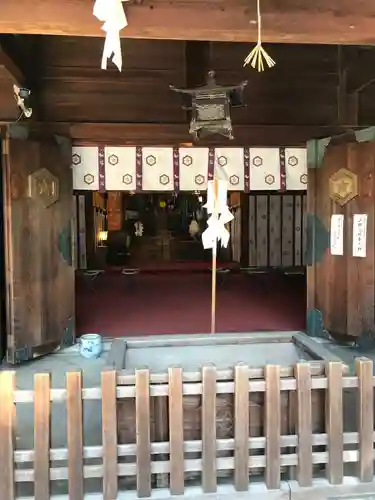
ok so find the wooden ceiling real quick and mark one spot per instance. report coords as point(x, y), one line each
point(291, 21)
point(313, 91)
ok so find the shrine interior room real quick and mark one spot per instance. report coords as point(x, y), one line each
point(144, 270)
point(140, 264)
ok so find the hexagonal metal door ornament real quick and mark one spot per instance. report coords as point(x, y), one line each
point(187, 160)
point(164, 179)
point(113, 159)
point(222, 161)
point(76, 159)
point(151, 160)
point(234, 180)
point(269, 179)
point(88, 179)
point(343, 186)
point(199, 179)
point(257, 161)
point(127, 179)
point(44, 187)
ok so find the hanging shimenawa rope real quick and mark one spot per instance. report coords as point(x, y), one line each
point(258, 57)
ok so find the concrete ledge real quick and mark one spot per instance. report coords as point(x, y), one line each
point(351, 489)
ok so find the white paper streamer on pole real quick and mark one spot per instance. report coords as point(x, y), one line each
point(216, 231)
point(219, 215)
point(111, 12)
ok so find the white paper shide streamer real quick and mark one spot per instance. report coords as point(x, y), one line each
point(216, 232)
point(219, 215)
point(111, 13)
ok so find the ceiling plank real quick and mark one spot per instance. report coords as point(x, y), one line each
point(122, 134)
point(292, 21)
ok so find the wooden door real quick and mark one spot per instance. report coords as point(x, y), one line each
point(39, 274)
point(340, 295)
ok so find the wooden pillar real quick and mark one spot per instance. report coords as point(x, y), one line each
point(244, 229)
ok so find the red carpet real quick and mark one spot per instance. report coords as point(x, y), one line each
point(174, 267)
point(176, 302)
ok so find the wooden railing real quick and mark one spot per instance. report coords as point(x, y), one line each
point(144, 460)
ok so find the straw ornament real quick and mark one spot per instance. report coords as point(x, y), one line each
point(258, 57)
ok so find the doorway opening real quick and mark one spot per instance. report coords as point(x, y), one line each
point(142, 269)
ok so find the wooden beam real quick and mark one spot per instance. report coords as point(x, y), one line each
point(362, 81)
point(291, 21)
point(348, 104)
point(11, 67)
point(360, 68)
point(176, 134)
point(197, 62)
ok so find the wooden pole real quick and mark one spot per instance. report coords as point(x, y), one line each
point(213, 288)
point(214, 262)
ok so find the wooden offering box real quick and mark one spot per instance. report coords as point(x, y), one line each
point(224, 351)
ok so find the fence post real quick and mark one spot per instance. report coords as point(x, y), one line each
point(334, 424)
point(209, 465)
point(364, 370)
point(109, 434)
point(241, 427)
point(7, 417)
point(304, 424)
point(143, 438)
point(176, 431)
point(272, 425)
point(75, 434)
point(42, 435)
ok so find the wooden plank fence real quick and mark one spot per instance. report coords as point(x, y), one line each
point(143, 456)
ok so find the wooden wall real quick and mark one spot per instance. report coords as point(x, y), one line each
point(8, 107)
point(342, 287)
point(301, 89)
point(276, 230)
point(74, 88)
point(311, 85)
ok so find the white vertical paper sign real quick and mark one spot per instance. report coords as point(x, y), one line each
point(359, 235)
point(337, 234)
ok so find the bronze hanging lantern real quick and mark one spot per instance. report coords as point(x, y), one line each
point(210, 107)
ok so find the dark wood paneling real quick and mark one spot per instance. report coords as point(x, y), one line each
point(173, 134)
point(300, 91)
point(8, 107)
point(76, 89)
point(40, 280)
point(343, 287)
point(84, 52)
point(289, 58)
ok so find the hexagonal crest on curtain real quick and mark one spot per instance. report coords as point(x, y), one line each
point(76, 159)
point(164, 179)
point(343, 186)
point(234, 180)
point(199, 179)
point(44, 187)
